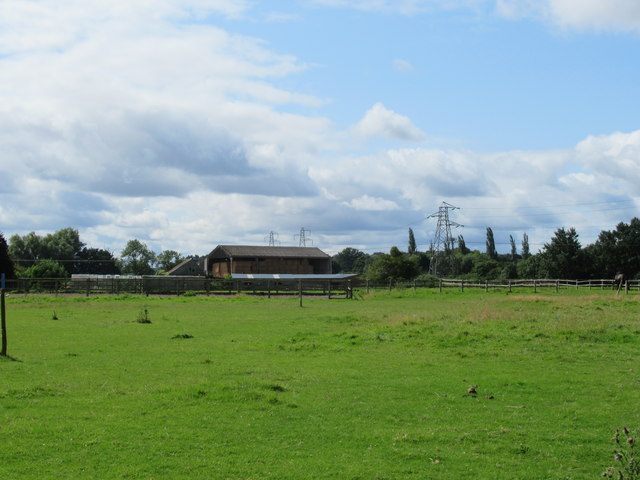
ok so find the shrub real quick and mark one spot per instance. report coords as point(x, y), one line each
point(143, 316)
point(627, 463)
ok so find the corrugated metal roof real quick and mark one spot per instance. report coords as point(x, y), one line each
point(292, 276)
point(266, 251)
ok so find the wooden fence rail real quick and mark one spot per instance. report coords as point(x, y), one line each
point(155, 285)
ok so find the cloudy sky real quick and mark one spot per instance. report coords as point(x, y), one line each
point(192, 123)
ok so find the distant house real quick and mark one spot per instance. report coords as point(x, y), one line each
point(227, 260)
point(191, 266)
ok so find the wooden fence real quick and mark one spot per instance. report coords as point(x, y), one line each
point(169, 285)
point(179, 285)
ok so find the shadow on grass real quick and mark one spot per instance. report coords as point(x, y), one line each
point(9, 358)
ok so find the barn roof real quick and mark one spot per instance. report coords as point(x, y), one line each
point(265, 251)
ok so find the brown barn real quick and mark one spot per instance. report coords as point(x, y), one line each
point(230, 259)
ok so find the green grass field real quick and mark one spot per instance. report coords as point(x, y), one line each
point(373, 388)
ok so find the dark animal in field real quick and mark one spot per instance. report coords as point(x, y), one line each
point(619, 280)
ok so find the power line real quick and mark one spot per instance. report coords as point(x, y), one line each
point(556, 205)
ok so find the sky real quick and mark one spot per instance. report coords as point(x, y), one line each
point(192, 123)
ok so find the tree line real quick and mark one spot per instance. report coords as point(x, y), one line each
point(563, 257)
point(62, 253)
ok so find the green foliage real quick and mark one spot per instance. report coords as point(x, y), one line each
point(486, 267)
point(350, 260)
point(617, 251)
point(526, 253)
point(393, 267)
point(168, 259)
point(46, 269)
point(412, 249)
point(6, 264)
point(64, 246)
point(96, 261)
point(491, 245)
point(137, 259)
point(462, 246)
point(514, 252)
point(143, 316)
point(563, 256)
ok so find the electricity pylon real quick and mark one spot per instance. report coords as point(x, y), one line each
point(443, 242)
point(273, 238)
point(302, 237)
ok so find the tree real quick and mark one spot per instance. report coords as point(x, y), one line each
point(462, 246)
point(96, 261)
point(491, 245)
point(394, 266)
point(531, 267)
point(64, 246)
point(514, 252)
point(525, 246)
point(46, 269)
point(137, 259)
point(412, 243)
point(6, 264)
point(168, 259)
point(616, 251)
point(25, 249)
point(350, 260)
point(563, 256)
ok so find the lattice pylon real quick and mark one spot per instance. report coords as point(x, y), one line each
point(443, 242)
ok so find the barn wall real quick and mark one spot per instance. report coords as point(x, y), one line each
point(299, 266)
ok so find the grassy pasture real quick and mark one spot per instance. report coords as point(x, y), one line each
point(375, 388)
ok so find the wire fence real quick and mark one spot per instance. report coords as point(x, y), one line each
point(182, 285)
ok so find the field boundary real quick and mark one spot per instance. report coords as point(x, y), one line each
point(169, 285)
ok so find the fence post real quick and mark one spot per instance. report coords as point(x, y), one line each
point(329, 288)
point(367, 286)
point(268, 288)
point(390, 284)
point(3, 317)
point(414, 286)
point(462, 286)
point(509, 286)
point(440, 285)
point(535, 287)
point(486, 286)
point(3, 320)
point(557, 286)
point(300, 291)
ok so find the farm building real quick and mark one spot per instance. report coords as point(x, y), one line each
point(227, 260)
point(191, 266)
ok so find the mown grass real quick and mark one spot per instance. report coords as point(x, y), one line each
point(376, 388)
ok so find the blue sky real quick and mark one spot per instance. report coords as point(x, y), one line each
point(190, 123)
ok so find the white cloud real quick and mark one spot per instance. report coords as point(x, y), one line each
point(138, 120)
point(379, 121)
point(574, 14)
point(615, 157)
point(577, 14)
point(404, 7)
point(365, 202)
point(401, 65)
